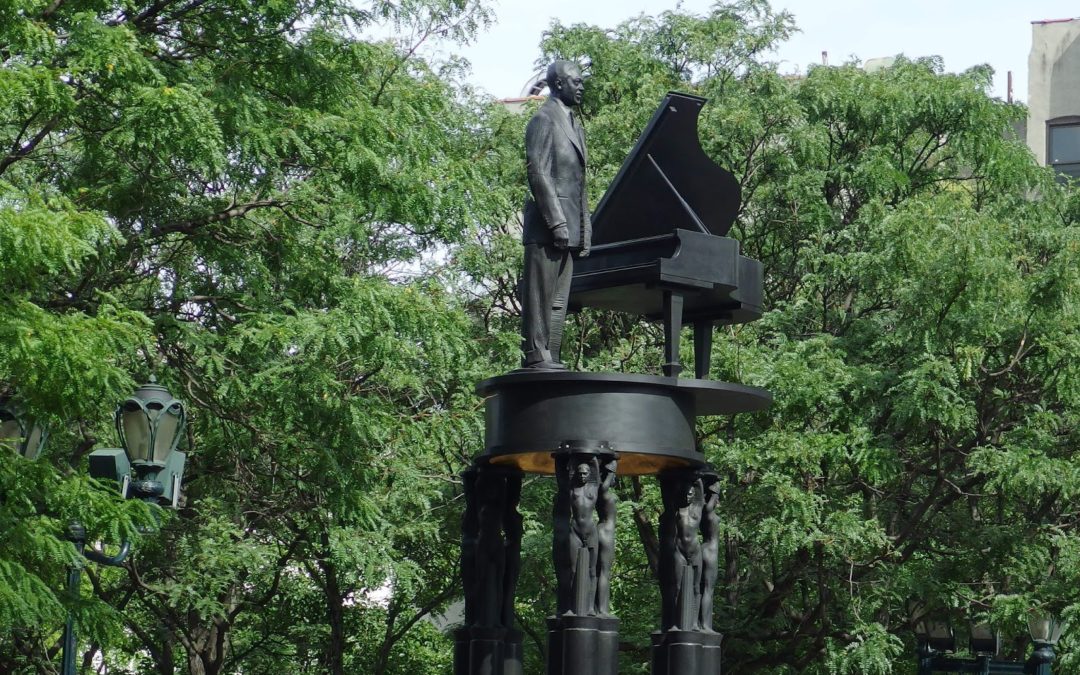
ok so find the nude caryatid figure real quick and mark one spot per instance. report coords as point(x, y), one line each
point(576, 544)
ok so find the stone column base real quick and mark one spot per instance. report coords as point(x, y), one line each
point(487, 651)
point(580, 645)
point(685, 652)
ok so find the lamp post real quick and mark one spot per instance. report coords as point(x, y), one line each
point(936, 642)
point(148, 467)
point(77, 536)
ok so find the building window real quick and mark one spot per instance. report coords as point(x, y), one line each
point(1063, 145)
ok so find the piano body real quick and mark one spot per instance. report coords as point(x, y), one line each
point(659, 247)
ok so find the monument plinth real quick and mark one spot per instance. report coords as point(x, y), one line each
point(646, 421)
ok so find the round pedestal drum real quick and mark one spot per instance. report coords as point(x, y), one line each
point(646, 421)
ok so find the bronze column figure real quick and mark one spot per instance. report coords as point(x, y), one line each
point(583, 636)
point(686, 643)
point(606, 506)
point(487, 643)
point(710, 554)
point(710, 547)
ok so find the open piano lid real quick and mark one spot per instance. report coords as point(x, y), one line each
point(667, 182)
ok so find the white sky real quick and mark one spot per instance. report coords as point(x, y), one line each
point(963, 32)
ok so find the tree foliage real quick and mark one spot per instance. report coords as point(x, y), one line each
point(309, 236)
point(239, 198)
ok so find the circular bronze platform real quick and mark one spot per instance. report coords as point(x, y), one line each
point(647, 421)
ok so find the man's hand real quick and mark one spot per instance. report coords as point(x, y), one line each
point(561, 235)
point(584, 252)
point(609, 474)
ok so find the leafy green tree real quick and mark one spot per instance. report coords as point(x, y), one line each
point(241, 198)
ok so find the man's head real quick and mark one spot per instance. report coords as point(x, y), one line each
point(691, 493)
point(565, 82)
point(582, 473)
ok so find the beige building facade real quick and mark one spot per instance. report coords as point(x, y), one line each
point(1053, 125)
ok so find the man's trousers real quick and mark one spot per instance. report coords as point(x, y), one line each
point(544, 294)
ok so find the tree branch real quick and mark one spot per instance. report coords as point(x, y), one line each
point(51, 9)
point(18, 153)
point(192, 226)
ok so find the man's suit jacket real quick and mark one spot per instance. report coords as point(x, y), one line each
point(555, 156)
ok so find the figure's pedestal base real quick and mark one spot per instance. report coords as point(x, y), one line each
point(487, 651)
point(685, 652)
point(583, 645)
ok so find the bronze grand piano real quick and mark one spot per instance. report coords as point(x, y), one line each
point(659, 248)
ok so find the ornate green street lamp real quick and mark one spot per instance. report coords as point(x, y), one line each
point(150, 424)
point(23, 435)
point(984, 640)
point(936, 642)
point(1045, 632)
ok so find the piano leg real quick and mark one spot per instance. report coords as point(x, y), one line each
point(702, 349)
point(673, 306)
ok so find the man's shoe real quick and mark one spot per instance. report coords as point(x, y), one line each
point(545, 365)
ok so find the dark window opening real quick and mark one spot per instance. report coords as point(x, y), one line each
point(1063, 145)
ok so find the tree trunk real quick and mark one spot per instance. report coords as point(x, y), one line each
point(646, 532)
point(334, 655)
point(163, 657)
point(382, 659)
point(206, 652)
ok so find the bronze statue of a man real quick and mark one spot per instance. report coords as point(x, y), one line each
point(556, 221)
